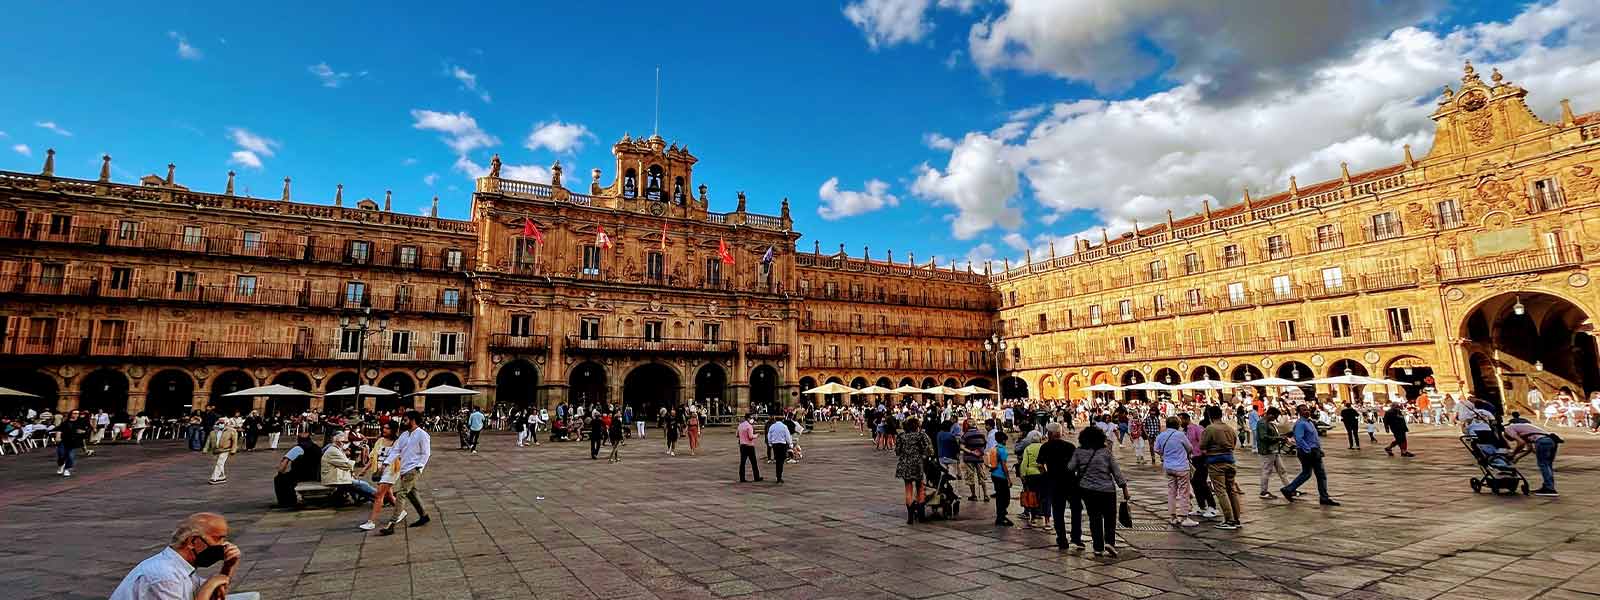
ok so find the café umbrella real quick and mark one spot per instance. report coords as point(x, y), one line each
point(973, 389)
point(445, 390)
point(270, 391)
point(940, 390)
point(831, 387)
point(10, 393)
point(873, 389)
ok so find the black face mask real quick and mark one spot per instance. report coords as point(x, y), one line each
point(210, 556)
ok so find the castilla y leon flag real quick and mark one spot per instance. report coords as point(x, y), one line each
point(600, 238)
point(723, 253)
point(529, 230)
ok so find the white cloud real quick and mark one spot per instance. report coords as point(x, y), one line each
point(461, 131)
point(979, 181)
point(473, 170)
point(890, 22)
point(430, 178)
point(838, 204)
point(252, 142)
point(1175, 148)
point(961, 6)
point(185, 50)
point(22, 149)
point(51, 125)
point(1231, 48)
point(1015, 241)
point(245, 158)
point(408, 161)
point(938, 141)
point(327, 75)
point(558, 136)
point(469, 81)
point(3, 134)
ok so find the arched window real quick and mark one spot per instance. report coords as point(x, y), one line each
point(677, 191)
point(652, 183)
point(630, 184)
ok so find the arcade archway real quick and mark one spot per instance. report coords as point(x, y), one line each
point(339, 381)
point(1049, 389)
point(1131, 377)
point(517, 385)
point(1298, 371)
point(587, 384)
point(32, 382)
point(1523, 339)
point(649, 388)
point(711, 385)
point(1013, 388)
point(106, 390)
point(1168, 376)
point(442, 404)
point(1204, 373)
point(170, 393)
point(227, 383)
point(289, 405)
point(764, 386)
point(402, 385)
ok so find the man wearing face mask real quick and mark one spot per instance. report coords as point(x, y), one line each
point(199, 542)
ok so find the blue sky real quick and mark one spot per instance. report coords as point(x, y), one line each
point(992, 136)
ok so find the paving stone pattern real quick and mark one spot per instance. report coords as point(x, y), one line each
point(549, 523)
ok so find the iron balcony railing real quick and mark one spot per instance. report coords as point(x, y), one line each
point(901, 364)
point(893, 330)
point(519, 343)
point(79, 288)
point(1325, 341)
point(135, 347)
point(579, 344)
point(1506, 264)
point(815, 293)
point(766, 350)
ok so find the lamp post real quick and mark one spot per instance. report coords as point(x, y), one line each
point(362, 323)
point(996, 346)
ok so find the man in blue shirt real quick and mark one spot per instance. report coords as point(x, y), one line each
point(474, 428)
point(1308, 446)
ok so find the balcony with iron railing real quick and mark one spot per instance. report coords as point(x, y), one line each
point(1280, 294)
point(620, 344)
point(522, 344)
point(95, 289)
point(199, 349)
point(1532, 261)
point(725, 282)
point(821, 326)
point(1333, 240)
point(424, 259)
point(1389, 280)
point(890, 364)
point(765, 350)
point(1330, 287)
point(1377, 233)
point(921, 301)
point(1360, 338)
point(1549, 199)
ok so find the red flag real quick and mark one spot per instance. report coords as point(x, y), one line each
point(663, 235)
point(532, 231)
point(600, 238)
point(723, 253)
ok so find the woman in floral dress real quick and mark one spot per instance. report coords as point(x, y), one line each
point(911, 448)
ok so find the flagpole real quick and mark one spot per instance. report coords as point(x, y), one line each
point(655, 126)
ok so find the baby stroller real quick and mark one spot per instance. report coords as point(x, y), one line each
point(1499, 473)
point(939, 493)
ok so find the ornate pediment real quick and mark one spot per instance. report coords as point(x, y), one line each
point(590, 302)
point(518, 297)
point(714, 310)
point(654, 308)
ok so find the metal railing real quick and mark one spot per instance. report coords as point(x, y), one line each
point(630, 344)
point(229, 295)
point(125, 347)
point(1506, 264)
point(519, 343)
point(1324, 341)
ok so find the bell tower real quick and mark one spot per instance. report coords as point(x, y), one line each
point(650, 169)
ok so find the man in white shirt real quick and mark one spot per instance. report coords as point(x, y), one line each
point(200, 541)
point(412, 450)
point(779, 439)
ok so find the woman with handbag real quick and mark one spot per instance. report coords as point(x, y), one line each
point(1035, 490)
point(1098, 480)
point(910, 451)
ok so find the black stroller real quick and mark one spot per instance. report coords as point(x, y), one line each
point(1499, 473)
point(939, 494)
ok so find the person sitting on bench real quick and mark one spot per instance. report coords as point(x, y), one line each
point(300, 463)
point(337, 467)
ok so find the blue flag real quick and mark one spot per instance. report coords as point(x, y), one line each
point(766, 259)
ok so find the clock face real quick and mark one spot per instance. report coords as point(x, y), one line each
point(1473, 101)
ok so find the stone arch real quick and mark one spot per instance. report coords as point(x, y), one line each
point(650, 387)
point(1294, 370)
point(442, 404)
point(169, 393)
point(226, 383)
point(1131, 377)
point(516, 385)
point(1204, 372)
point(952, 382)
point(1538, 338)
point(1013, 388)
point(1049, 388)
point(444, 378)
point(1168, 375)
point(1071, 386)
point(32, 381)
point(710, 385)
point(104, 389)
point(764, 383)
point(982, 382)
point(336, 382)
point(587, 383)
point(884, 382)
point(403, 385)
point(296, 380)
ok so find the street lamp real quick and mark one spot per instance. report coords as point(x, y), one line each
point(362, 323)
point(996, 346)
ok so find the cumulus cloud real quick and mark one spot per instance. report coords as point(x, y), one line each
point(1230, 48)
point(838, 204)
point(1175, 148)
point(468, 80)
point(51, 125)
point(461, 131)
point(22, 149)
point(558, 136)
point(938, 141)
point(430, 178)
point(979, 181)
point(890, 22)
point(329, 77)
point(245, 158)
point(185, 50)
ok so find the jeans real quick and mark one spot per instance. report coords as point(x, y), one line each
point(748, 453)
point(472, 439)
point(1354, 437)
point(1201, 484)
point(1272, 463)
point(1002, 498)
point(1544, 450)
point(363, 490)
point(1102, 507)
point(64, 456)
point(1060, 498)
point(594, 446)
point(780, 455)
point(1311, 464)
point(1226, 488)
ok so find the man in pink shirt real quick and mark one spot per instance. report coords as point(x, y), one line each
point(747, 447)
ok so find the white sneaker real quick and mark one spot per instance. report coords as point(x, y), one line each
point(66, 473)
point(369, 526)
point(1210, 513)
point(61, 469)
point(1189, 523)
point(400, 519)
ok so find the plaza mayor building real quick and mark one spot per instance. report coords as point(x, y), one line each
point(1465, 269)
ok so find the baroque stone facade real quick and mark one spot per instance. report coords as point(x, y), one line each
point(1470, 266)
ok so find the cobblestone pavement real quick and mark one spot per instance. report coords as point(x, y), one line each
point(550, 523)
